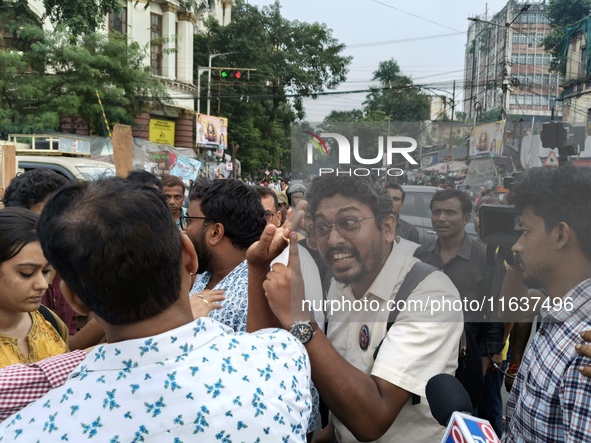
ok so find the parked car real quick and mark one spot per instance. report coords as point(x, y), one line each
point(417, 211)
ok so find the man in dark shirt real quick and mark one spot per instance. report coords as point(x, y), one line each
point(463, 260)
point(403, 228)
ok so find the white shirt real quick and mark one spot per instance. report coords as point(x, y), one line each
point(417, 347)
point(199, 382)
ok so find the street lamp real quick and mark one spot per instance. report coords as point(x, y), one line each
point(211, 57)
point(200, 71)
point(506, 65)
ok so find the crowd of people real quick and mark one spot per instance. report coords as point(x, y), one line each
point(139, 309)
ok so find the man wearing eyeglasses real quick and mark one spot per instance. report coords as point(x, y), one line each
point(370, 400)
point(224, 218)
point(270, 203)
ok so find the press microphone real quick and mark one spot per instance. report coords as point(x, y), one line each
point(451, 406)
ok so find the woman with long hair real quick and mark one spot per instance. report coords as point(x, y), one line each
point(25, 335)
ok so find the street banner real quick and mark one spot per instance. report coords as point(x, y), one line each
point(211, 132)
point(487, 139)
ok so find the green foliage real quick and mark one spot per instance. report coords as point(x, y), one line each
point(562, 14)
point(292, 59)
point(60, 75)
point(79, 16)
point(492, 115)
point(397, 97)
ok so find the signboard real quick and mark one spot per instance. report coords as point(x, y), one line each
point(551, 160)
point(162, 132)
point(487, 139)
point(229, 166)
point(211, 132)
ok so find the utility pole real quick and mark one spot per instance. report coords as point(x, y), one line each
point(505, 70)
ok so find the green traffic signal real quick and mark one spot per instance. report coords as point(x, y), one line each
point(231, 74)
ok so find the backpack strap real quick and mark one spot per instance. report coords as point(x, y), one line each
point(51, 317)
point(416, 275)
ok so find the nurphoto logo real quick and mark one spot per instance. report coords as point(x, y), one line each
point(383, 156)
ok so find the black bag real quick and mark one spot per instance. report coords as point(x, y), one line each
point(469, 371)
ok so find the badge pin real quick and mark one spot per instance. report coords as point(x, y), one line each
point(364, 337)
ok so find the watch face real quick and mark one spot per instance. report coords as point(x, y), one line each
point(302, 331)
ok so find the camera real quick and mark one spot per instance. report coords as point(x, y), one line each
point(499, 225)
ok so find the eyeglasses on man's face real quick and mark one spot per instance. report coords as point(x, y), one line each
point(347, 227)
point(269, 215)
point(186, 220)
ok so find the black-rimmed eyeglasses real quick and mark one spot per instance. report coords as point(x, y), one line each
point(269, 215)
point(186, 220)
point(347, 227)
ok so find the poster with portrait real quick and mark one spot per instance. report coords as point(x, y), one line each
point(487, 139)
point(211, 132)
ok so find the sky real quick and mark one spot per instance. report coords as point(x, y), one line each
point(426, 37)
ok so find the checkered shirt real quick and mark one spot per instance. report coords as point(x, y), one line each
point(21, 384)
point(550, 399)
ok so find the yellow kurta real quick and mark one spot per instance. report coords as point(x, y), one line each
point(44, 341)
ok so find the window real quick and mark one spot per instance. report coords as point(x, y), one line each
point(156, 43)
point(529, 59)
point(522, 59)
point(514, 58)
point(537, 100)
point(539, 59)
point(118, 21)
point(537, 79)
point(546, 79)
point(545, 101)
point(528, 99)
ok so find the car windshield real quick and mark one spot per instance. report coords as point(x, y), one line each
point(96, 172)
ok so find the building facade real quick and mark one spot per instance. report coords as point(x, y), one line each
point(506, 67)
point(168, 27)
point(577, 83)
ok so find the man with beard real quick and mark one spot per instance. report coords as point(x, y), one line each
point(354, 229)
point(224, 218)
point(174, 190)
point(550, 397)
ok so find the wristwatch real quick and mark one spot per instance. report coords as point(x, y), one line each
point(303, 330)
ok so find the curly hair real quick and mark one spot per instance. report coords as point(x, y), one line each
point(235, 205)
point(32, 187)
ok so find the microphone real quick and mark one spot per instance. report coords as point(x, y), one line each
point(446, 395)
point(451, 406)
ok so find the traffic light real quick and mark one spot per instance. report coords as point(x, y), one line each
point(231, 74)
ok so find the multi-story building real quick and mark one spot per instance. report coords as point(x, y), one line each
point(506, 67)
point(577, 85)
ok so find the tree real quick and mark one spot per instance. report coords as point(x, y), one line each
point(79, 16)
point(58, 75)
point(397, 96)
point(292, 59)
point(562, 14)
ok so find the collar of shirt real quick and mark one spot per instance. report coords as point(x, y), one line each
point(575, 306)
point(203, 279)
point(169, 345)
point(464, 252)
